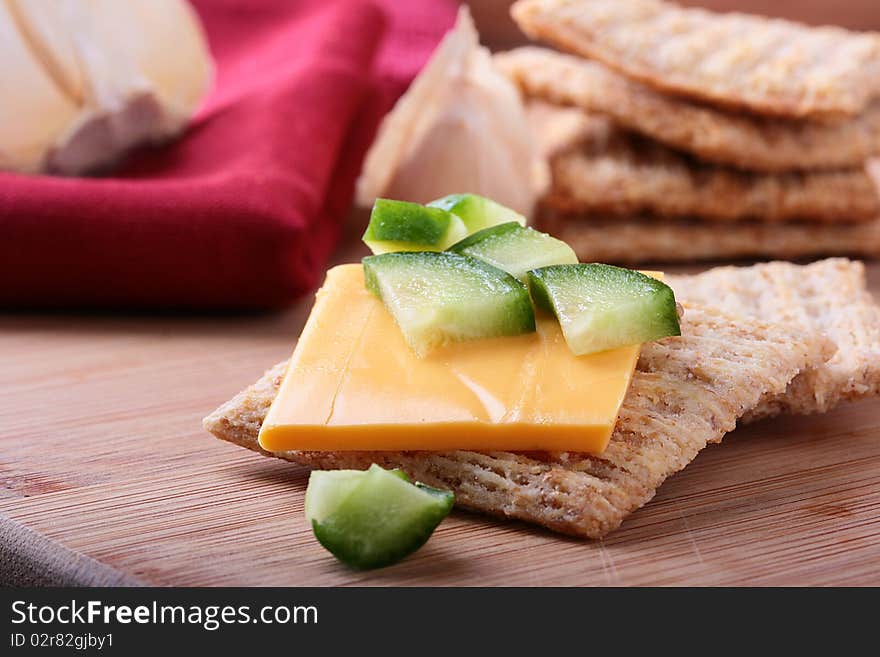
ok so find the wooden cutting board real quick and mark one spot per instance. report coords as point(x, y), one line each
point(106, 477)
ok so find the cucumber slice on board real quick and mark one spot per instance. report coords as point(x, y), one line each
point(378, 521)
point(477, 212)
point(401, 226)
point(439, 298)
point(515, 249)
point(601, 307)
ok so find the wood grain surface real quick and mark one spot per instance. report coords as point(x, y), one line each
point(106, 477)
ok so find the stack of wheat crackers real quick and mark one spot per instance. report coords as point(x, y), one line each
point(682, 134)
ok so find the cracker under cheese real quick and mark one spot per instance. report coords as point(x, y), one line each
point(686, 392)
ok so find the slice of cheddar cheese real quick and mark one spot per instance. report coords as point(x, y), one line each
point(354, 384)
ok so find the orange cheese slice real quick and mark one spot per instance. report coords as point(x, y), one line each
point(354, 384)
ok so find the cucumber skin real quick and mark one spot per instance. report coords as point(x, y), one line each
point(397, 472)
point(337, 540)
point(475, 238)
point(540, 296)
point(445, 495)
point(401, 222)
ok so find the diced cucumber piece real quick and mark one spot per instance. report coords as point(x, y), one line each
point(382, 519)
point(601, 307)
point(438, 298)
point(401, 226)
point(477, 212)
point(515, 249)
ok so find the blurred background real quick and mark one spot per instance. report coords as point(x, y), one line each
point(238, 129)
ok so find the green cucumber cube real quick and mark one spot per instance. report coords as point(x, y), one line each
point(440, 298)
point(477, 212)
point(515, 249)
point(378, 521)
point(600, 307)
point(401, 226)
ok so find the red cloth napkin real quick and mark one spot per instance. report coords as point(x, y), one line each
point(243, 211)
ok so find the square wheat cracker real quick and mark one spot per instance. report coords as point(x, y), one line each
point(646, 239)
point(686, 392)
point(605, 170)
point(749, 142)
point(829, 296)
